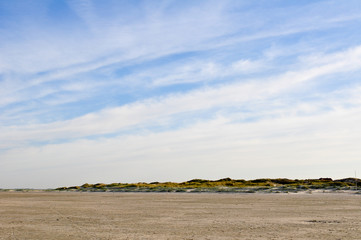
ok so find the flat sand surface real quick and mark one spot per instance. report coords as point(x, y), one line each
point(66, 215)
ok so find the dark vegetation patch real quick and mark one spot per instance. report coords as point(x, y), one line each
point(323, 221)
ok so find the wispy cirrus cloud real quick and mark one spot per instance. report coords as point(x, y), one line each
point(146, 113)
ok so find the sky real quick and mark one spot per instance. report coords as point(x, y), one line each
point(141, 91)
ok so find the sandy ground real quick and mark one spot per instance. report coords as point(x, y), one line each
point(64, 215)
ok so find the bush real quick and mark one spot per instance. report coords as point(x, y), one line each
point(100, 185)
point(86, 185)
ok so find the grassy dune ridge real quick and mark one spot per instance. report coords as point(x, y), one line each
point(225, 185)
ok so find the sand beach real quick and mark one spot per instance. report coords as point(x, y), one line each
point(80, 215)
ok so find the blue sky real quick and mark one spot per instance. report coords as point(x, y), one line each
point(130, 91)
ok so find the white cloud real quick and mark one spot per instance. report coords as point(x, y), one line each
point(190, 30)
point(148, 112)
point(197, 150)
point(200, 72)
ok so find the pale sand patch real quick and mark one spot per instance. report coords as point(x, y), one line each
point(64, 215)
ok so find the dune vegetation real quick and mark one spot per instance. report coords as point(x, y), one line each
point(225, 185)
